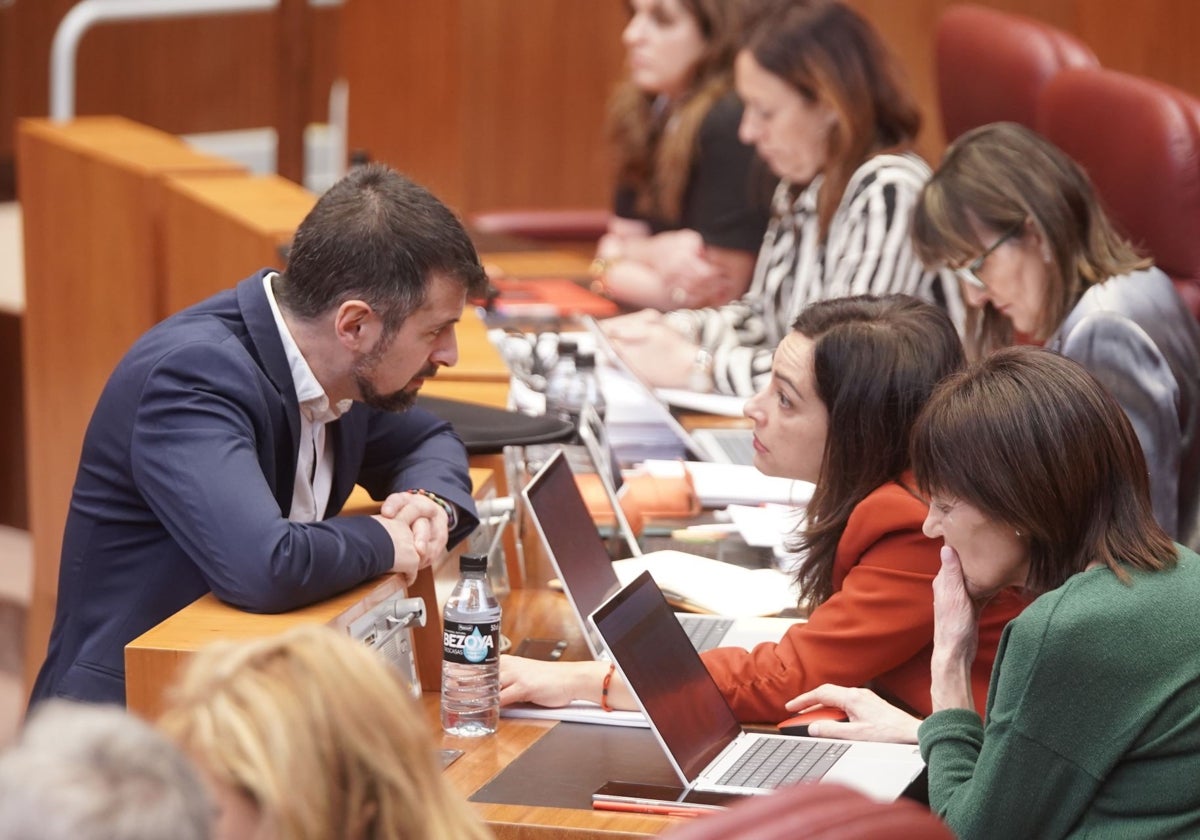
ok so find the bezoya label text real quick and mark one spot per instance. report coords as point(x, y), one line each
point(471, 644)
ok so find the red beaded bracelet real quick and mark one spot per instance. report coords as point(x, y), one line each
point(604, 688)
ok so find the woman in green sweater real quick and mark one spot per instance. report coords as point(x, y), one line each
point(1092, 729)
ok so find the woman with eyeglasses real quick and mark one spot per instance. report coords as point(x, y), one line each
point(1036, 255)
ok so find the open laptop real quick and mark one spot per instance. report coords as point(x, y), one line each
point(729, 446)
point(585, 568)
point(734, 445)
point(699, 732)
point(594, 437)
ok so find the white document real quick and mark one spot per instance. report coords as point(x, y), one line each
point(718, 485)
point(715, 586)
point(765, 526)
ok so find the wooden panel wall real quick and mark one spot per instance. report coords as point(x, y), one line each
point(490, 103)
point(183, 75)
point(499, 103)
point(493, 103)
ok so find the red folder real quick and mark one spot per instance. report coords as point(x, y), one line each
point(548, 297)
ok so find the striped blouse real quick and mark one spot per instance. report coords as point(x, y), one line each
point(867, 251)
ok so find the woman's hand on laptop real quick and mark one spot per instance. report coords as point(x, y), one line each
point(870, 718)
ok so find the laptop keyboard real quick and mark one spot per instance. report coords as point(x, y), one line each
point(705, 633)
point(774, 762)
point(736, 444)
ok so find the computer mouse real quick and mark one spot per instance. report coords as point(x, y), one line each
point(798, 725)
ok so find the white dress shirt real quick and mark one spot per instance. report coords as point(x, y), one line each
point(314, 463)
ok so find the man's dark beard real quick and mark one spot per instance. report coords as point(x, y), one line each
point(396, 401)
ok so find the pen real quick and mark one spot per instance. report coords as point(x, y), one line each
point(646, 808)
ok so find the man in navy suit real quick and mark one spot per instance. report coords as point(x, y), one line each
point(231, 434)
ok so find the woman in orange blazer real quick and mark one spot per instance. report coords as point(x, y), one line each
point(846, 386)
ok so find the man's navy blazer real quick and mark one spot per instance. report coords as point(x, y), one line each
point(185, 482)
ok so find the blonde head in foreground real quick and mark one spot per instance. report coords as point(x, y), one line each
point(309, 735)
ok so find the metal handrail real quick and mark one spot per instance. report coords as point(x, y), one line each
point(83, 16)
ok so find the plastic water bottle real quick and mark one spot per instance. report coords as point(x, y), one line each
point(471, 653)
point(576, 388)
point(589, 383)
point(560, 378)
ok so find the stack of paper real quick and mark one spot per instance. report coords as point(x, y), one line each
point(707, 585)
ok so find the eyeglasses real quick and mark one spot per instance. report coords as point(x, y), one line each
point(970, 274)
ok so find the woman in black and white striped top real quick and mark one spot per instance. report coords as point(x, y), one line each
point(825, 109)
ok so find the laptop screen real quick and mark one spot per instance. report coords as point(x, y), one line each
point(570, 537)
point(684, 705)
point(595, 440)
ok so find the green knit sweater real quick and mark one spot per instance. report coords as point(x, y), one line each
point(1093, 717)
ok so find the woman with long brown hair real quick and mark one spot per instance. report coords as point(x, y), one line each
point(846, 387)
point(691, 204)
point(826, 107)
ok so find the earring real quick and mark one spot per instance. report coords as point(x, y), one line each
point(1017, 531)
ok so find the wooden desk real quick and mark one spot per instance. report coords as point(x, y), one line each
point(478, 358)
point(219, 230)
point(538, 613)
point(153, 659)
point(538, 263)
point(494, 394)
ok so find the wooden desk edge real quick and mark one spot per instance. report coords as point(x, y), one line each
point(527, 822)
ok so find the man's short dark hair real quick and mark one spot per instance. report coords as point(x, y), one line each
point(379, 237)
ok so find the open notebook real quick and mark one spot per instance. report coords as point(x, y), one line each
point(699, 732)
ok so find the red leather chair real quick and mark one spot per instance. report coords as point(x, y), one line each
point(991, 66)
point(1139, 141)
point(815, 812)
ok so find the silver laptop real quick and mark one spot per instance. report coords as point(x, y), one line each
point(699, 732)
point(730, 446)
point(726, 446)
point(585, 568)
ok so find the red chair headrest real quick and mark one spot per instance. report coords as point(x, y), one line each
point(1139, 141)
point(992, 65)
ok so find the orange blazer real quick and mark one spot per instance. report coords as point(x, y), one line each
point(876, 630)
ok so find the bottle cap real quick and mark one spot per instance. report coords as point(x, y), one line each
point(472, 563)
